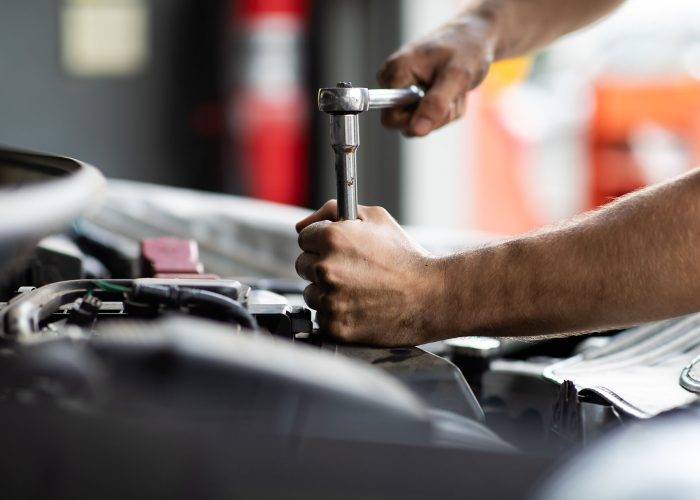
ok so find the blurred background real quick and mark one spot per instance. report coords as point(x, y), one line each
point(220, 95)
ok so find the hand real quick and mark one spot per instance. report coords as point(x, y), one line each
point(449, 62)
point(370, 282)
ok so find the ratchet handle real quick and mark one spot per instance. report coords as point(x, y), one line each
point(395, 98)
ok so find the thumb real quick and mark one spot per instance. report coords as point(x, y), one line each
point(329, 211)
point(434, 110)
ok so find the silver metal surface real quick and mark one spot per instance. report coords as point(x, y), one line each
point(395, 98)
point(339, 100)
point(39, 195)
point(344, 102)
point(475, 347)
point(345, 139)
point(638, 370)
point(355, 100)
point(690, 376)
point(486, 347)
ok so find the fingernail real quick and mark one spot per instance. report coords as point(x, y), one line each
point(422, 126)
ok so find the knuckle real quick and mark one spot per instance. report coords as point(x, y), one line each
point(323, 273)
point(430, 49)
point(435, 105)
point(328, 303)
point(339, 330)
point(334, 237)
point(377, 212)
point(386, 71)
point(458, 72)
point(334, 302)
point(389, 70)
point(306, 236)
point(469, 77)
point(480, 75)
point(398, 70)
point(338, 316)
point(297, 266)
point(310, 296)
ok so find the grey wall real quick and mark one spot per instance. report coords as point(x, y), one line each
point(140, 127)
point(137, 127)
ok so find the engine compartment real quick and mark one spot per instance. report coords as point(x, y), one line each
point(166, 332)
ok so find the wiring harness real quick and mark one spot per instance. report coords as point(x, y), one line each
point(26, 313)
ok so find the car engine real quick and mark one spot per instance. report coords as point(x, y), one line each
point(155, 342)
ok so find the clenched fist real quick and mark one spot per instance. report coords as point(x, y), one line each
point(370, 283)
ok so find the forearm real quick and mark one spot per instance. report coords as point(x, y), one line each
point(521, 26)
point(634, 261)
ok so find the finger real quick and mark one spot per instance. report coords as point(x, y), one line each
point(434, 110)
point(313, 296)
point(396, 72)
point(329, 211)
point(321, 320)
point(305, 266)
point(459, 107)
point(312, 238)
point(396, 118)
point(324, 322)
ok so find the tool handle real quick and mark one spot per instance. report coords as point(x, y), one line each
point(345, 138)
point(395, 98)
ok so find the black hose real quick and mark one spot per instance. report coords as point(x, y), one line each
point(24, 313)
point(178, 296)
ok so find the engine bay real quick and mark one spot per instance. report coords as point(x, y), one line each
point(164, 335)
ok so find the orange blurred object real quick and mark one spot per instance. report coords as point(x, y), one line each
point(503, 163)
point(623, 107)
point(501, 203)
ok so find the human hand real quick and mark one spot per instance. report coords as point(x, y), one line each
point(370, 283)
point(448, 63)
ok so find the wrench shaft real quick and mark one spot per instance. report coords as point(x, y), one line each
point(345, 173)
point(345, 139)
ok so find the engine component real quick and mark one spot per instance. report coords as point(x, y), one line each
point(201, 302)
point(84, 310)
point(65, 189)
point(171, 258)
point(638, 370)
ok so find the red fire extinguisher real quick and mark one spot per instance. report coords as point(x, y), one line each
point(268, 109)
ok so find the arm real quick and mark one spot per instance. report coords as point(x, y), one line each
point(633, 261)
point(527, 25)
point(456, 57)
